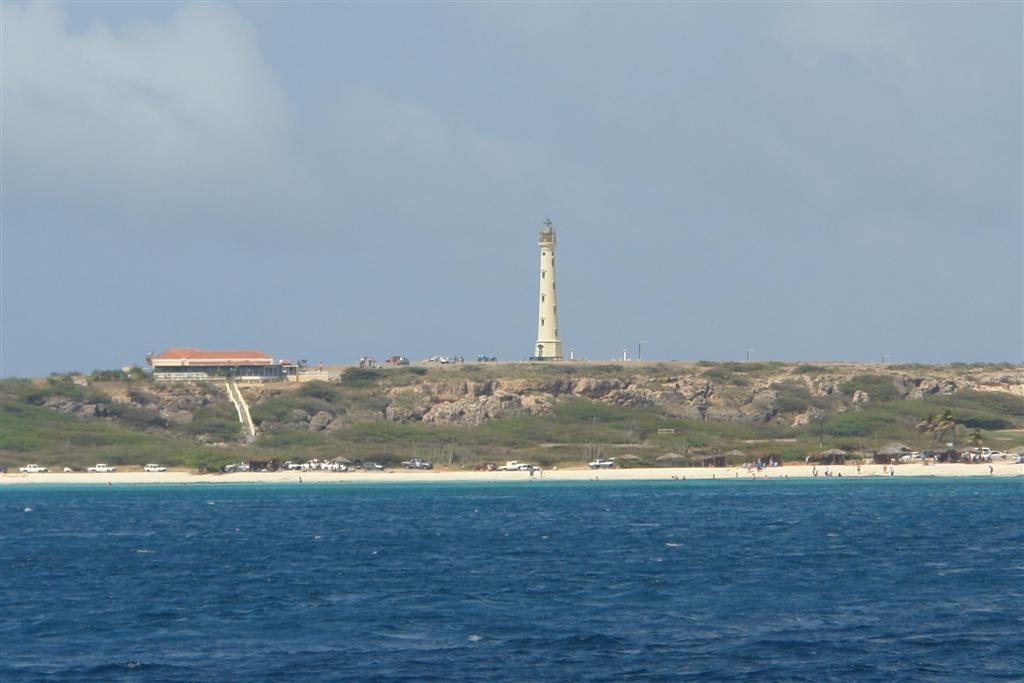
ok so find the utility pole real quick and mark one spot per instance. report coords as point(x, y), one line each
point(639, 356)
point(748, 353)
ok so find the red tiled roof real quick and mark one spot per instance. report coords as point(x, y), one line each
point(193, 354)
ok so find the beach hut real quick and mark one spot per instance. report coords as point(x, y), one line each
point(708, 460)
point(890, 453)
point(833, 456)
point(947, 455)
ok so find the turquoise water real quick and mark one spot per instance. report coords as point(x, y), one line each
point(769, 580)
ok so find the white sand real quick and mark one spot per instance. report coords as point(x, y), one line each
point(999, 469)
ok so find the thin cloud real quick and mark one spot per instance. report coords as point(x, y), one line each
point(176, 115)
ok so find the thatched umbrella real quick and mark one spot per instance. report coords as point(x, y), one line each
point(671, 458)
point(341, 460)
point(833, 456)
point(890, 452)
point(627, 460)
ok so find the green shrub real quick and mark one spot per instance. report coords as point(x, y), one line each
point(360, 376)
point(134, 416)
point(807, 369)
point(322, 390)
point(878, 387)
point(108, 376)
point(294, 439)
point(859, 423)
point(61, 386)
point(794, 397)
point(215, 427)
point(274, 409)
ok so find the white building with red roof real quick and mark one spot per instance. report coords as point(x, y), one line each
point(189, 363)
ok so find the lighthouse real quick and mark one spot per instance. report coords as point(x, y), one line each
point(549, 343)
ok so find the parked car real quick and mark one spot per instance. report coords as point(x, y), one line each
point(601, 464)
point(102, 468)
point(372, 466)
point(417, 464)
point(484, 358)
point(153, 467)
point(397, 360)
point(32, 469)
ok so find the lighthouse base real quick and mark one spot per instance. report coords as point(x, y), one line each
point(547, 350)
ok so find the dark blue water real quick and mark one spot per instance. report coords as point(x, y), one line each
point(786, 580)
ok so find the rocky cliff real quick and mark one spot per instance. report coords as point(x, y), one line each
point(786, 393)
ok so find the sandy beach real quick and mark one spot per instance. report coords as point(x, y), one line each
point(998, 469)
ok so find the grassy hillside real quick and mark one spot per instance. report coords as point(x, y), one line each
point(549, 414)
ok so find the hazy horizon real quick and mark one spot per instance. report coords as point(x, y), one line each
point(327, 181)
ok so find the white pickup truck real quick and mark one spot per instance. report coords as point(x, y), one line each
point(32, 469)
point(153, 467)
point(417, 464)
point(601, 464)
point(102, 468)
point(516, 466)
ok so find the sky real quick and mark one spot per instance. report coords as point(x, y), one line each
point(324, 181)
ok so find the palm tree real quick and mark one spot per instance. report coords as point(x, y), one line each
point(946, 425)
point(940, 425)
point(975, 439)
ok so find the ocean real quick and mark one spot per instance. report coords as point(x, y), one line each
point(809, 580)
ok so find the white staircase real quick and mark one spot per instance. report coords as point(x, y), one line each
point(235, 394)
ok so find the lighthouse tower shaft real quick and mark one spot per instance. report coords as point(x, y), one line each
point(549, 343)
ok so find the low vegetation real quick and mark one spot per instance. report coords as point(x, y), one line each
point(785, 410)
